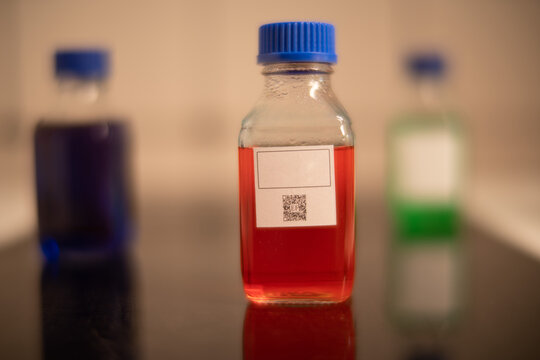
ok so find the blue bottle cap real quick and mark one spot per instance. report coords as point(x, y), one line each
point(426, 64)
point(297, 41)
point(82, 63)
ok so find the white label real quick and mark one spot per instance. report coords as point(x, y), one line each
point(295, 186)
point(428, 165)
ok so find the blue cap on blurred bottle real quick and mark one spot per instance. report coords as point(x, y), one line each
point(297, 41)
point(426, 64)
point(82, 63)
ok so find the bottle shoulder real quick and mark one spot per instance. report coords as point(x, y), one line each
point(265, 116)
point(279, 125)
point(64, 122)
point(297, 108)
point(82, 114)
point(426, 120)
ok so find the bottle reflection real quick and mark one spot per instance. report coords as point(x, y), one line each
point(426, 282)
point(88, 310)
point(420, 353)
point(299, 332)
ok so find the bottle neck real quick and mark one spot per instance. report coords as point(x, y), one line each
point(79, 99)
point(74, 91)
point(429, 94)
point(297, 80)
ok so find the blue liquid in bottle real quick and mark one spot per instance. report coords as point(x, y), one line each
point(82, 167)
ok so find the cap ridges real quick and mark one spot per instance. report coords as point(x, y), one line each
point(297, 42)
point(82, 63)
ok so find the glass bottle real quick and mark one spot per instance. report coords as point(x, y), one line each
point(82, 165)
point(296, 172)
point(425, 147)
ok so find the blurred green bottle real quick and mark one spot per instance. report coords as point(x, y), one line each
point(424, 188)
point(425, 159)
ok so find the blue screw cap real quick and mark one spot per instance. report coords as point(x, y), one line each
point(82, 63)
point(297, 41)
point(426, 64)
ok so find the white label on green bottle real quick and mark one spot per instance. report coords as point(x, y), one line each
point(295, 186)
point(428, 165)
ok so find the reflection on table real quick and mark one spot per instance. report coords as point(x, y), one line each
point(425, 283)
point(299, 332)
point(88, 310)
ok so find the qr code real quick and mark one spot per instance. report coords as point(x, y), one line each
point(294, 207)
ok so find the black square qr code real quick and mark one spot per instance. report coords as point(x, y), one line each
point(294, 207)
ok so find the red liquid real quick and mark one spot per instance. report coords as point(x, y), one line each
point(299, 332)
point(299, 263)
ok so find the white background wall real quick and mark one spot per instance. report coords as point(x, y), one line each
point(186, 74)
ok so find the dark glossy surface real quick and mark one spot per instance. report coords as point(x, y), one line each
point(93, 306)
point(180, 296)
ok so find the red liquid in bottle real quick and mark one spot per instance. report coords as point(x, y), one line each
point(299, 263)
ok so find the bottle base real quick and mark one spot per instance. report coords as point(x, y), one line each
point(52, 252)
point(294, 301)
point(294, 295)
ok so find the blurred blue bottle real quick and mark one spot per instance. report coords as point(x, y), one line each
point(82, 165)
point(425, 147)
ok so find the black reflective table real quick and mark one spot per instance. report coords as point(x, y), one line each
point(179, 296)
